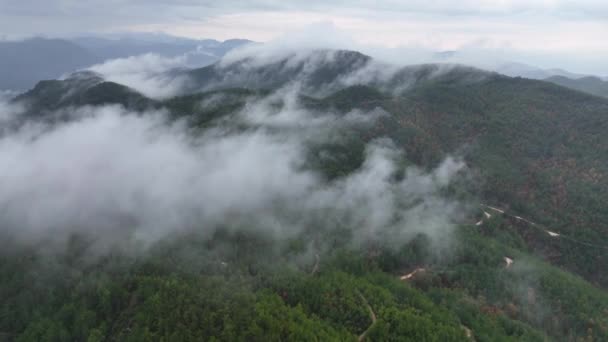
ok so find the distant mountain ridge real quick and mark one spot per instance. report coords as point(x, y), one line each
point(25, 62)
point(589, 84)
point(510, 68)
point(528, 71)
point(210, 49)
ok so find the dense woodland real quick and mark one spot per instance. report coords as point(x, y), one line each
point(535, 149)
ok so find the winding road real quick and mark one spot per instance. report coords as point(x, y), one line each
point(372, 315)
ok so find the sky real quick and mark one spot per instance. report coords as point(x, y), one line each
point(575, 30)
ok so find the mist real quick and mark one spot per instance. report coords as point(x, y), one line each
point(149, 74)
point(481, 53)
point(119, 175)
point(9, 111)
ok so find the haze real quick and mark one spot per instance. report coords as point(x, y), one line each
point(546, 33)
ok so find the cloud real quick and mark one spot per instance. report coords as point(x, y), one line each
point(8, 110)
point(157, 8)
point(149, 74)
point(481, 52)
point(320, 35)
point(551, 33)
point(118, 175)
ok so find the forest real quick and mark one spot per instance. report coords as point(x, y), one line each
point(510, 248)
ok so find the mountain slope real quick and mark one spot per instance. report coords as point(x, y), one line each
point(529, 141)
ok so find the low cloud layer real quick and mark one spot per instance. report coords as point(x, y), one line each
point(482, 53)
point(149, 74)
point(112, 173)
point(8, 111)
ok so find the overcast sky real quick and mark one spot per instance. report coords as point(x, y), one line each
point(576, 30)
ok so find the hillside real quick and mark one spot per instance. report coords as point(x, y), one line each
point(318, 196)
point(529, 142)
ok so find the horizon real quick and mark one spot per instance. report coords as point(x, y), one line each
point(547, 34)
point(389, 55)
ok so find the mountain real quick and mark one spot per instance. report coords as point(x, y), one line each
point(512, 69)
point(591, 85)
point(199, 52)
point(527, 142)
point(320, 72)
point(528, 71)
point(28, 61)
point(456, 106)
point(523, 262)
point(79, 89)
point(316, 69)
